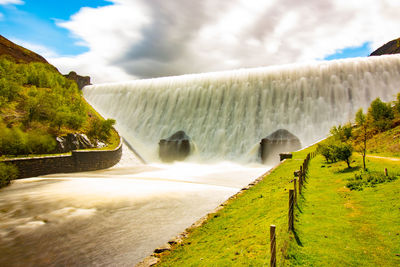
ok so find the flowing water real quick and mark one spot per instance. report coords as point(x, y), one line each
point(226, 114)
point(116, 217)
point(113, 217)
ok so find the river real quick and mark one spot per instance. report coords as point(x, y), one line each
point(112, 217)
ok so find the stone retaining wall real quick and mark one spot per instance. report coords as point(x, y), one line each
point(78, 161)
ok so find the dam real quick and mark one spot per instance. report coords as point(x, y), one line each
point(227, 113)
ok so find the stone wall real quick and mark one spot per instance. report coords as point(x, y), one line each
point(78, 161)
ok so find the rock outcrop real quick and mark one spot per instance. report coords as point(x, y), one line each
point(279, 141)
point(82, 81)
point(71, 142)
point(175, 147)
point(392, 47)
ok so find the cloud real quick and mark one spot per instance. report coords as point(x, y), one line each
point(11, 2)
point(152, 38)
point(39, 49)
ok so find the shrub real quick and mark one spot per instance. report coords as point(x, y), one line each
point(39, 142)
point(100, 129)
point(8, 172)
point(368, 179)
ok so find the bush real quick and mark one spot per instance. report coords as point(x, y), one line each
point(40, 143)
point(368, 179)
point(100, 129)
point(8, 172)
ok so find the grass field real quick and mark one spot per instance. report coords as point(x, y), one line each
point(333, 227)
point(339, 227)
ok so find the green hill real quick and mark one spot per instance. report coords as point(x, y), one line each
point(38, 104)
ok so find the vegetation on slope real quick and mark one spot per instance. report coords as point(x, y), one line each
point(37, 104)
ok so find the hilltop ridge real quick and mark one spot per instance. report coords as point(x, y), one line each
point(392, 47)
point(19, 53)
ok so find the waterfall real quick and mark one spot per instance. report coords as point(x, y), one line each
point(226, 114)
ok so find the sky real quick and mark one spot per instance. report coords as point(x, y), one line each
point(118, 40)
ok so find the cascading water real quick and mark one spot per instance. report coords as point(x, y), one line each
point(227, 113)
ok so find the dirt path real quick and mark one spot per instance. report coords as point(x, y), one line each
point(380, 157)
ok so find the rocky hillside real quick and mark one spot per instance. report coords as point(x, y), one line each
point(392, 47)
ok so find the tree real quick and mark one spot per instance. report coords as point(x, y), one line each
point(342, 133)
point(361, 120)
point(343, 152)
point(397, 103)
point(381, 114)
point(333, 150)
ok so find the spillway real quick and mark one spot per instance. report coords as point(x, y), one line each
point(227, 113)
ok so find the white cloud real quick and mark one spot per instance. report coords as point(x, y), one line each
point(149, 38)
point(11, 2)
point(39, 49)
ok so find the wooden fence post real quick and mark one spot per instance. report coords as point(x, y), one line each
point(291, 210)
point(272, 238)
point(300, 181)
point(295, 190)
point(386, 172)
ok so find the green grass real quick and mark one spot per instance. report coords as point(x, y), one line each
point(238, 235)
point(339, 227)
point(386, 143)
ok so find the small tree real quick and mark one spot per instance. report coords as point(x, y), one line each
point(381, 114)
point(342, 133)
point(361, 120)
point(397, 103)
point(343, 152)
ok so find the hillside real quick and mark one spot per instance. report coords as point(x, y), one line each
point(19, 53)
point(392, 47)
point(38, 106)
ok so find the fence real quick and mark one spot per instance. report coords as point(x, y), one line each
point(298, 184)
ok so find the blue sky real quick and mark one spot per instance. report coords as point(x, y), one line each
point(128, 39)
point(35, 22)
point(358, 51)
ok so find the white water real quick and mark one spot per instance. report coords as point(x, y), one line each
point(227, 113)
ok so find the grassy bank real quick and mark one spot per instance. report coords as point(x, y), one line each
point(333, 225)
point(238, 235)
point(339, 227)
